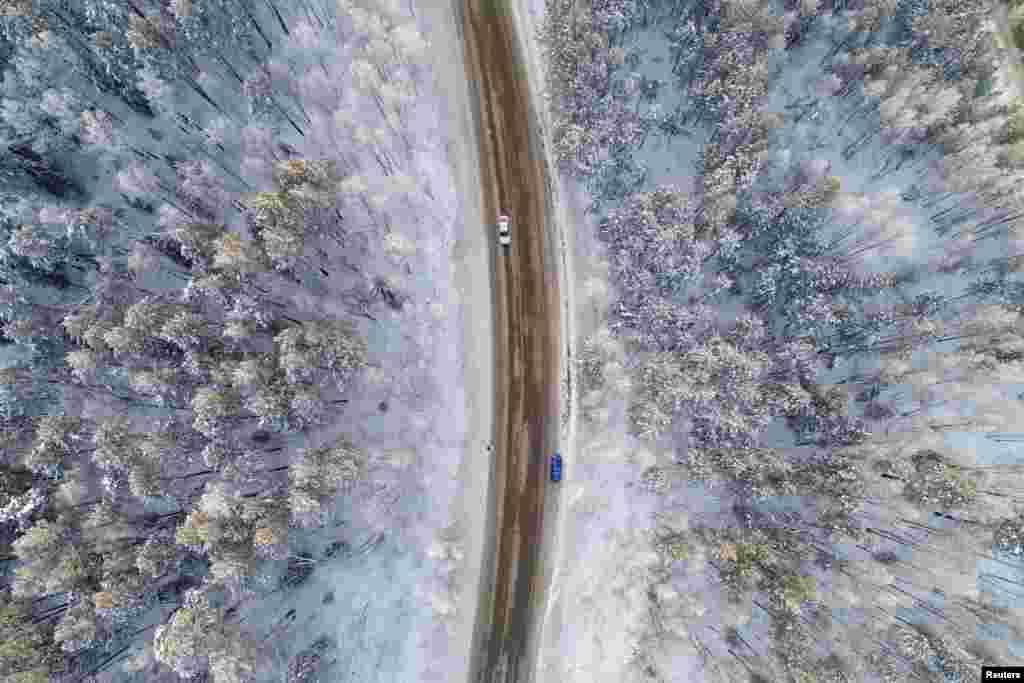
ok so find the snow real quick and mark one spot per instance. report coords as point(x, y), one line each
point(472, 293)
point(595, 551)
point(403, 607)
point(401, 602)
point(595, 554)
point(601, 564)
point(601, 559)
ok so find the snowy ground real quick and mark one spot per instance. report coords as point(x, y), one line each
point(401, 601)
point(399, 597)
point(473, 288)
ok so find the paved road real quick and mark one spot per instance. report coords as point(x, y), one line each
point(526, 326)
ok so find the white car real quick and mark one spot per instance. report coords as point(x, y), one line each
point(504, 237)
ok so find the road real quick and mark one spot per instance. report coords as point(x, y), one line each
point(526, 326)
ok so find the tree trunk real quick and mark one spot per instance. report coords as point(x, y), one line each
point(280, 19)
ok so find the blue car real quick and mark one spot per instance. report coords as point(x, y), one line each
point(556, 467)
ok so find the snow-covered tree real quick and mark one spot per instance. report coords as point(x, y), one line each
point(319, 474)
point(50, 562)
point(212, 406)
point(27, 650)
point(330, 345)
point(156, 556)
point(198, 638)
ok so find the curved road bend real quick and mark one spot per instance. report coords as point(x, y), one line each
point(526, 339)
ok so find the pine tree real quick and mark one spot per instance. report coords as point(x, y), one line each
point(319, 474)
point(27, 651)
point(50, 562)
point(329, 345)
point(198, 638)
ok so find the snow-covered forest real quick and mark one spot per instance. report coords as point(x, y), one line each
point(231, 419)
point(802, 372)
point(230, 352)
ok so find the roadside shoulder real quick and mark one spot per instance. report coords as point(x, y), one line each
point(473, 284)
